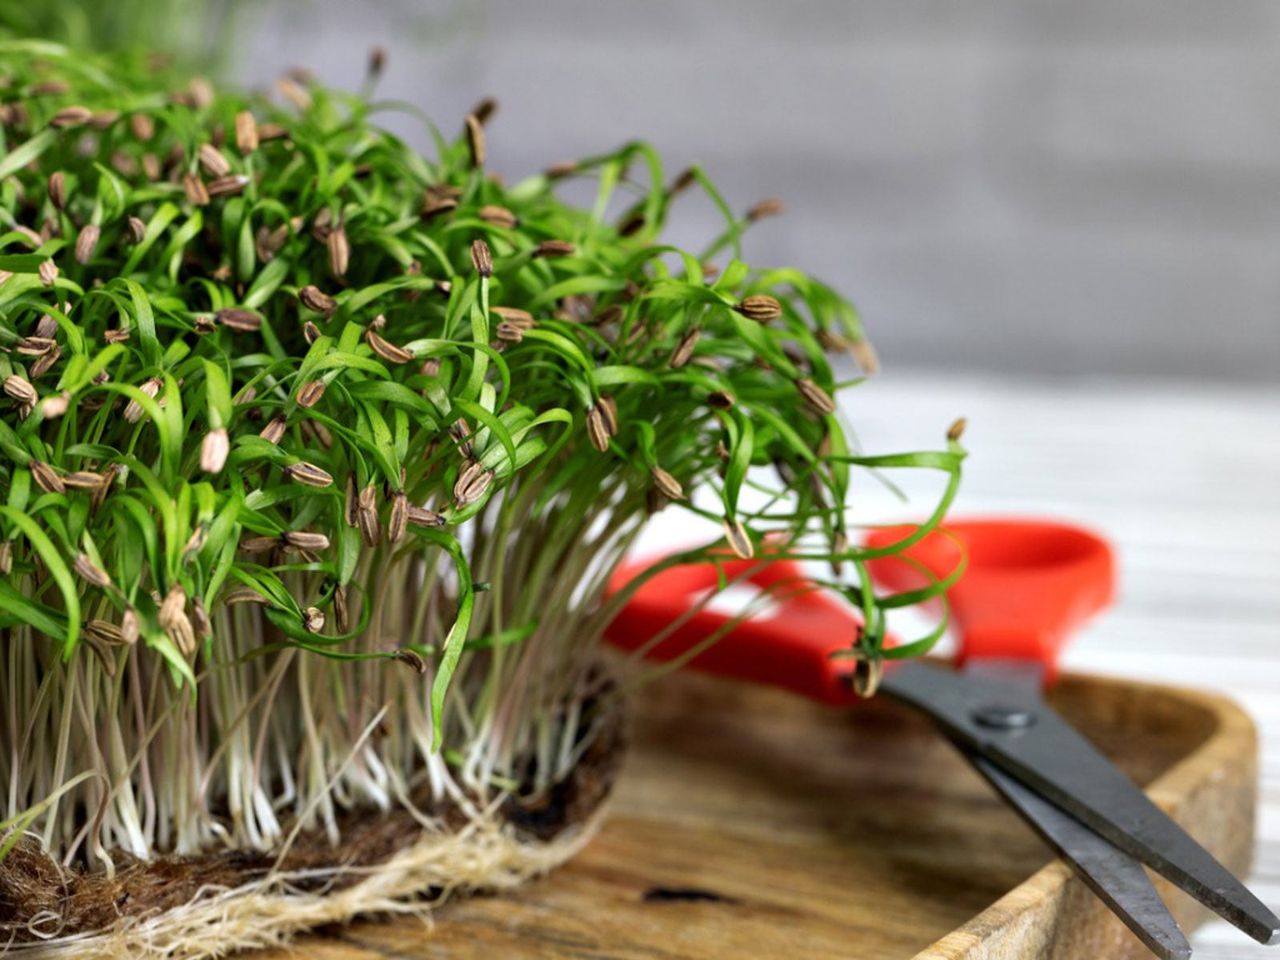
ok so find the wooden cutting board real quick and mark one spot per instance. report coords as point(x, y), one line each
point(750, 823)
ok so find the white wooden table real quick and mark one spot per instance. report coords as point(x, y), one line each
point(1184, 479)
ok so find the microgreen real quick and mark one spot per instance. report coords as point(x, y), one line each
point(302, 429)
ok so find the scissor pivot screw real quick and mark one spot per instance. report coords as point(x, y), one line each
point(1004, 718)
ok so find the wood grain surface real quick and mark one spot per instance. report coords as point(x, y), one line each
point(752, 824)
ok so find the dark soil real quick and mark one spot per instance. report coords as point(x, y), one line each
point(31, 883)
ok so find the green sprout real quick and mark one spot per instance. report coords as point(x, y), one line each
point(318, 454)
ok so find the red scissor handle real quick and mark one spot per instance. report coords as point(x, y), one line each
point(1027, 585)
point(790, 647)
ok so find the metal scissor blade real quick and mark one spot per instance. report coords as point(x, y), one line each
point(1046, 754)
point(1112, 874)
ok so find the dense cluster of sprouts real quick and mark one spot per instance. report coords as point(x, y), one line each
point(316, 454)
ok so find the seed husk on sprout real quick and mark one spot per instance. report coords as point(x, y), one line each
point(130, 628)
point(105, 632)
point(214, 163)
point(867, 674)
point(684, 180)
point(271, 131)
point(306, 539)
point(294, 92)
point(351, 501)
point(133, 411)
point(423, 517)
point(55, 405)
point(19, 389)
point(45, 361)
point(499, 216)
point(560, 169)
point(481, 258)
point(412, 659)
point(485, 109)
point(246, 132)
point(684, 349)
point(597, 429)
point(339, 251)
point(762, 308)
point(90, 572)
point(200, 621)
point(609, 412)
point(46, 477)
point(214, 450)
point(367, 516)
point(244, 595)
point(83, 479)
point(667, 485)
point(227, 186)
point(475, 140)
point(242, 321)
point(174, 621)
point(341, 611)
point(398, 517)
point(268, 242)
point(509, 332)
point(259, 544)
point(108, 477)
point(738, 539)
point(770, 207)
point(273, 432)
point(386, 349)
point(322, 225)
point(35, 346)
point(554, 248)
point(864, 355)
point(195, 189)
point(515, 316)
point(313, 298)
point(817, 398)
point(46, 327)
point(308, 474)
point(434, 206)
point(58, 189)
point(311, 393)
point(142, 125)
point(472, 484)
point(70, 117)
point(377, 62)
point(87, 242)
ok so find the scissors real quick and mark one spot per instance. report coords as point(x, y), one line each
point(1026, 586)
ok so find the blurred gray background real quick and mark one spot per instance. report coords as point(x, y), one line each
point(1030, 186)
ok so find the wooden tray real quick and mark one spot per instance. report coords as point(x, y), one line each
point(753, 824)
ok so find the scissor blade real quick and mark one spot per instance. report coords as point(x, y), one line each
point(1046, 754)
point(1117, 878)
